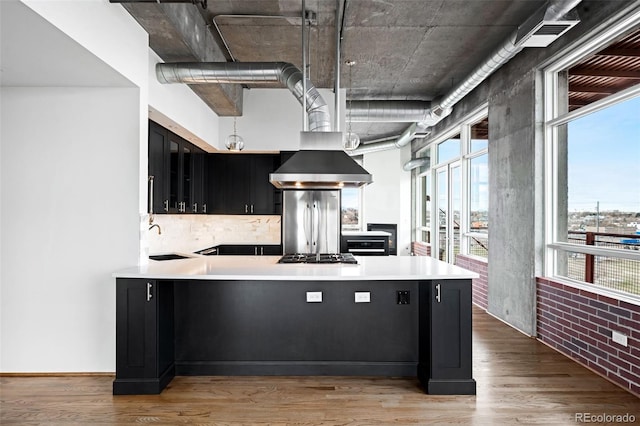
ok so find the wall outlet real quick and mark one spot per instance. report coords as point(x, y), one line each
point(314, 297)
point(619, 338)
point(362, 297)
point(403, 297)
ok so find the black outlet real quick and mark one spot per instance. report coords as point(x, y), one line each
point(403, 297)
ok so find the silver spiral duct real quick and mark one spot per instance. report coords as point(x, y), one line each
point(389, 111)
point(287, 74)
point(415, 163)
point(407, 136)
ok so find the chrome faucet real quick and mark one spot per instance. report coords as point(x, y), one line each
point(154, 225)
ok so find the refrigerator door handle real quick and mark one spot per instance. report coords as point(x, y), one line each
point(307, 224)
point(316, 226)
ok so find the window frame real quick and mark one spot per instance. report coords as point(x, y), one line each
point(462, 128)
point(553, 120)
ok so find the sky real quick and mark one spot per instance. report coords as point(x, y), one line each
point(604, 159)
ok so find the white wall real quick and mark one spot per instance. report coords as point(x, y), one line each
point(388, 198)
point(69, 219)
point(272, 120)
point(178, 108)
point(72, 179)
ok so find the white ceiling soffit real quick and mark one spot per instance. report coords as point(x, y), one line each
point(34, 53)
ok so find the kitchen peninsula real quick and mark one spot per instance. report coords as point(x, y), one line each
point(249, 315)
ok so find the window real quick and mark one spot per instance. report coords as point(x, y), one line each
point(592, 189)
point(425, 204)
point(351, 198)
point(352, 206)
point(454, 191)
point(449, 150)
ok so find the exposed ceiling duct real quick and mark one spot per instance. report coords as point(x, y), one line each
point(389, 111)
point(202, 3)
point(541, 29)
point(287, 74)
point(416, 130)
point(414, 164)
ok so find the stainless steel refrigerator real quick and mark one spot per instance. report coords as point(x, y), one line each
point(311, 221)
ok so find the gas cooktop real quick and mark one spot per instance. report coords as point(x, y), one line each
point(318, 258)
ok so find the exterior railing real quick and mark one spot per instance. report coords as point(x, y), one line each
point(607, 271)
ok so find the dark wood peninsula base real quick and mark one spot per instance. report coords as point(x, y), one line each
point(267, 327)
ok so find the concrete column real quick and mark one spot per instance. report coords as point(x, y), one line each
point(512, 197)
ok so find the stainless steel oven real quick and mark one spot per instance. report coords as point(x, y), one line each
point(366, 244)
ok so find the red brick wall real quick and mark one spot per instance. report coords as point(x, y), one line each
point(480, 285)
point(578, 323)
point(420, 249)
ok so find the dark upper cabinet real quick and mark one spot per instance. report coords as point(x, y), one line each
point(200, 201)
point(158, 168)
point(178, 171)
point(239, 183)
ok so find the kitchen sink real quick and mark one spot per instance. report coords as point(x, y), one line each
point(171, 256)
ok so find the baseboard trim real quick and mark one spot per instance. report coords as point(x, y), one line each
point(295, 368)
point(59, 374)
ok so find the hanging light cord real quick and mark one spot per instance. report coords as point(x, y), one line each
point(350, 64)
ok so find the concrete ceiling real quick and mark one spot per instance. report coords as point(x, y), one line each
point(403, 49)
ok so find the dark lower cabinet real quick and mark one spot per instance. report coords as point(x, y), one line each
point(277, 328)
point(445, 366)
point(144, 336)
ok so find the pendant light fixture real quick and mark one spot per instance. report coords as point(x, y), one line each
point(234, 142)
point(351, 140)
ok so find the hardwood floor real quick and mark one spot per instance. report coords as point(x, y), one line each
point(519, 381)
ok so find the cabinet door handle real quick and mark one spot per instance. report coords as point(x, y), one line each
point(149, 295)
point(251, 208)
point(204, 208)
point(166, 205)
point(151, 195)
point(438, 298)
point(195, 207)
point(255, 250)
point(261, 251)
point(246, 208)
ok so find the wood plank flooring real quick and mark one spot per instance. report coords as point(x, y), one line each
point(519, 381)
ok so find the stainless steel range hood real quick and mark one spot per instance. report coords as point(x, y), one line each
point(321, 163)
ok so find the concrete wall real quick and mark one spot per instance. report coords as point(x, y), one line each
point(511, 200)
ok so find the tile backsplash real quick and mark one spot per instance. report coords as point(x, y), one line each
point(189, 233)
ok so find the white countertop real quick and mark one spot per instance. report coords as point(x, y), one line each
point(373, 268)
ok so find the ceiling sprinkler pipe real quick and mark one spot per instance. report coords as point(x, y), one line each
point(287, 74)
